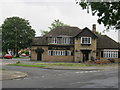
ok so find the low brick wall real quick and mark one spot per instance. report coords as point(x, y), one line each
point(116, 59)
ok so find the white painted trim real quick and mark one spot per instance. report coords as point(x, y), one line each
point(87, 39)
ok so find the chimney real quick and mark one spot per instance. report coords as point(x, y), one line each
point(94, 28)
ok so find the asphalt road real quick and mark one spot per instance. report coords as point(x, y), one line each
point(48, 78)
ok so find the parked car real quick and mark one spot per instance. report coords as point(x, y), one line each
point(8, 56)
point(23, 55)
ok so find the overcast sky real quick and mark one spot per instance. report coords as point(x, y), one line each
point(41, 13)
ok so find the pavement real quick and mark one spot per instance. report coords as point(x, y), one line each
point(9, 75)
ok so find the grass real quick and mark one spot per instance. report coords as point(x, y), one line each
point(62, 64)
point(1, 69)
point(27, 65)
point(42, 65)
point(75, 64)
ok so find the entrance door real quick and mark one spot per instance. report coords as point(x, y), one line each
point(85, 55)
point(39, 56)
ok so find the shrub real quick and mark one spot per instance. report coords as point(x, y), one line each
point(18, 62)
point(101, 61)
point(112, 60)
point(88, 62)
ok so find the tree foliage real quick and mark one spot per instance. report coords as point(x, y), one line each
point(56, 23)
point(108, 12)
point(43, 32)
point(16, 33)
point(99, 33)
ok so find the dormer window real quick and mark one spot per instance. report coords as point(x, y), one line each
point(85, 40)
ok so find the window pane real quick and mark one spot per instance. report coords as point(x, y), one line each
point(88, 40)
point(85, 40)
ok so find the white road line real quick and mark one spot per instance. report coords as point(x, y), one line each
point(86, 71)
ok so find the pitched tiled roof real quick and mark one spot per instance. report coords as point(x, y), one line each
point(39, 41)
point(64, 30)
point(103, 41)
point(58, 31)
point(106, 42)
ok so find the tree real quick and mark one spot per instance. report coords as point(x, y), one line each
point(99, 33)
point(43, 32)
point(55, 23)
point(16, 34)
point(108, 12)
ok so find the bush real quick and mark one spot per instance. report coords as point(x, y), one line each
point(112, 60)
point(88, 62)
point(27, 53)
point(3, 53)
point(18, 62)
point(101, 61)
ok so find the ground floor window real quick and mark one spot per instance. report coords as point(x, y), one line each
point(110, 54)
point(59, 53)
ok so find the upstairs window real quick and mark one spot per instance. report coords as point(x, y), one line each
point(60, 40)
point(65, 40)
point(54, 40)
point(85, 40)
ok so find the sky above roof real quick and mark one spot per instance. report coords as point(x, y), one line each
point(41, 13)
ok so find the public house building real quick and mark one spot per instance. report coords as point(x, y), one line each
point(71, 44)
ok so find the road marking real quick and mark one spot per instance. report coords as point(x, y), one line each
point(17, 79)
point(26, 78)
point(43, 76)
point(86, 71)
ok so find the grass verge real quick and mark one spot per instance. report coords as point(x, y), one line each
point(1, 69)
point(27, 65)
point(42, 65)
point(76, 64)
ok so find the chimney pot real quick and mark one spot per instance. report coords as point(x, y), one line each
point(94, 28)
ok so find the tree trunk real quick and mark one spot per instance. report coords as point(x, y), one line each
point(6, 51)
point(17, 55)
point(14, 51)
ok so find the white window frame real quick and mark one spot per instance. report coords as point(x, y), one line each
point(54, 40)
point(49, 52)
point(87, 40)
point(110, 54)
point(59, 53)
point(65, 40)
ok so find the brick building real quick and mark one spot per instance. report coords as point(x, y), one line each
point(71, 44)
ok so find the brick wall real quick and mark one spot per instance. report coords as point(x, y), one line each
point(48, 58)
point(78, 54)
